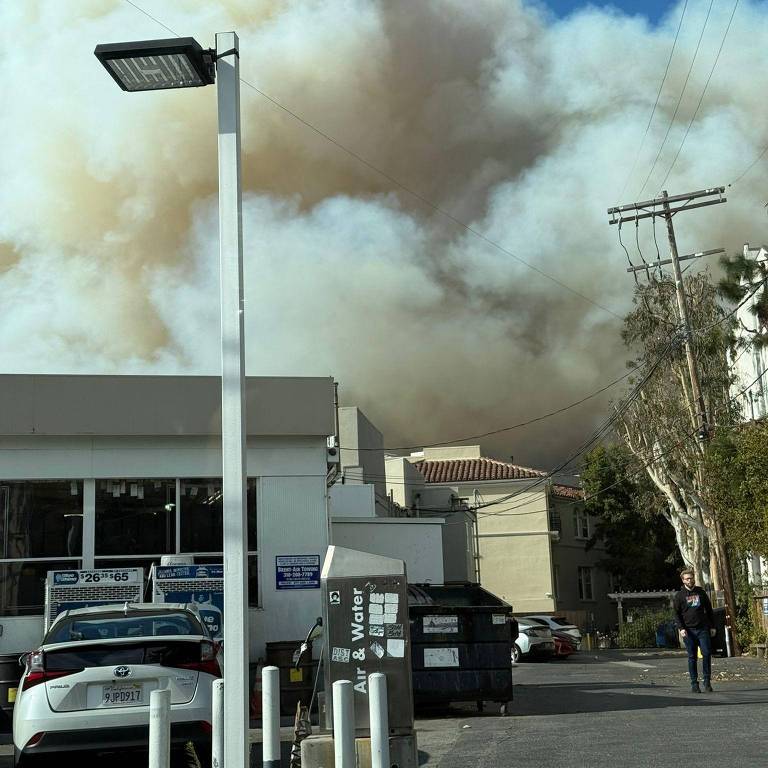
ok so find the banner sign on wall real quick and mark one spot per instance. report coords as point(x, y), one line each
point(201, 584)
point(297, 572)
point(65, 590)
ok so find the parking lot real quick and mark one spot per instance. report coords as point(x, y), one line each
point(607, 708)
point(602, 708)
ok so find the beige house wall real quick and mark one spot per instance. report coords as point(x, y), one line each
point(514, 541)
point(515, 550)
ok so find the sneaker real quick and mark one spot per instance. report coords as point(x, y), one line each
point(695, 688)
point(707, 687)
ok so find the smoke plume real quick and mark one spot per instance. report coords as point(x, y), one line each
point(520, 126)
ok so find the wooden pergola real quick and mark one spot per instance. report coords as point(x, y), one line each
point(620, 597)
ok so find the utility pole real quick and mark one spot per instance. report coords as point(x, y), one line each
point(660, 207)
point(682, 308)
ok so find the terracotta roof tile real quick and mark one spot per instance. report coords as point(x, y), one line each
point(567, 491)
point(473, 470)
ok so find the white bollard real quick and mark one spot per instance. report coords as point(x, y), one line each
point(379, 717)
point(217, 724)
point(344, 724)
point(270, 716)
point(160, 729)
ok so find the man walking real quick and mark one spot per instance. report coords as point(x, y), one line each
point(696, 623)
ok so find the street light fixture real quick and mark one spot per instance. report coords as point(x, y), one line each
point(151, 65)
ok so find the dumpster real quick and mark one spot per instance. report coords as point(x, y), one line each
point(10, 674)
point(461, 644)
point(295, 684)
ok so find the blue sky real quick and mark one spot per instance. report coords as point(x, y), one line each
point(652, 9)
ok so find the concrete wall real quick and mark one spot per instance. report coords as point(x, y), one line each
point(362, 452)
point(160, 405)
point(458, 547)
point(404, 481)
point(345, 500)
point(416, 541)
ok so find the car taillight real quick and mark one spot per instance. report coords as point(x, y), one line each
point(37, 673)
point(207, 662)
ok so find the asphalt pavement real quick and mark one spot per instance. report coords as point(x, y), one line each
point(606, 708)
point(610, 708)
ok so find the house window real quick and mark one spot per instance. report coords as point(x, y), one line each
point(555, 523)
point(585, 583)
point(581, 524)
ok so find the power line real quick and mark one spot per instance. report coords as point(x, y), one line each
point(694, 332)
point(679, 101)
point(701, 98)
point(642, 468)
point(655, 104)
point(750, 166)
point(499, 431)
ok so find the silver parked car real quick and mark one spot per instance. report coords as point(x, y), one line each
point(533, 640)
point(559, 624)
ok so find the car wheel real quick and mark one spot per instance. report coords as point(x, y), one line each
point(517, 654)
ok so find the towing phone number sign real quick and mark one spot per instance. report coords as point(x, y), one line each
point(297, 572)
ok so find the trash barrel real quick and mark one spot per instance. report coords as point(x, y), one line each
point(10, 674)
point(718, 644)
point(461, 644)
point(295, 684)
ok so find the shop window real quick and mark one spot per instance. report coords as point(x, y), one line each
point(41, 518)
point(22, 590)
point(253, 575)
point(135, 517)
point(201, 515)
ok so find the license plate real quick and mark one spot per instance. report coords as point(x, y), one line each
point(121, 695)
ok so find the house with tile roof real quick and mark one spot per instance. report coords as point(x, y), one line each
point(528, 539)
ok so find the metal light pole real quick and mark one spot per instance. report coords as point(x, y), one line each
point(183, 63)
point(236, 754)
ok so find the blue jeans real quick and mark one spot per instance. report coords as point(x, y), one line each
point(695, 639)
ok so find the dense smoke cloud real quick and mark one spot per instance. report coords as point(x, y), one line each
point(519, 125)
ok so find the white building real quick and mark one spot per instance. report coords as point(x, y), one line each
point(750, 362)
point(117, 471)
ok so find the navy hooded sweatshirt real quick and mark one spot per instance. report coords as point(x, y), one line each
point(693, 609)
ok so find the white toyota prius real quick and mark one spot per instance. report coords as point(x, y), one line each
point(87, 687)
